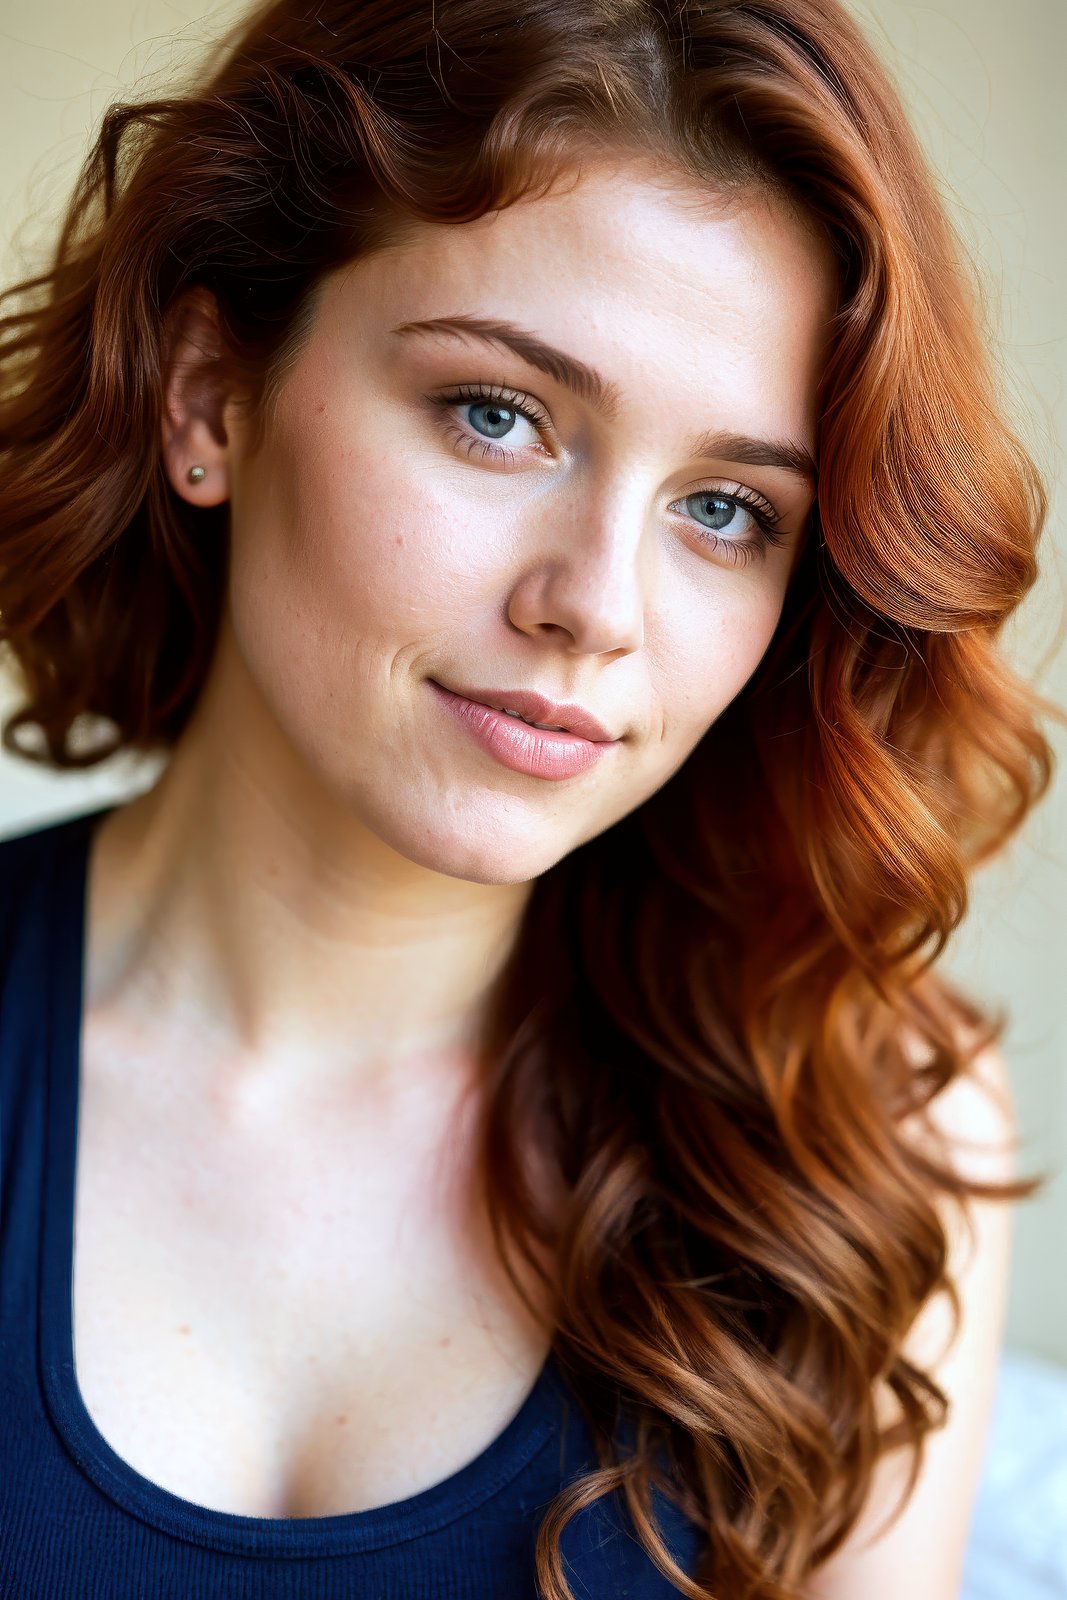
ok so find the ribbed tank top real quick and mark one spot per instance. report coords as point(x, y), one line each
point(77, 1522)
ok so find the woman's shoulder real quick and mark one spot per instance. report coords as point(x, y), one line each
point(24, 848)
point(35, 862)
point(41, 834)
point(24, 855)
point(29, 859)
point(29, 843)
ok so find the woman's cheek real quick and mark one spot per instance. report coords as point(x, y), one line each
point(718, 642)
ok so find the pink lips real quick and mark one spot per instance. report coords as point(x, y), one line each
point(534, 707)
point(538, 751)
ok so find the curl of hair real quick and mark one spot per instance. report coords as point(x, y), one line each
point(701, 1033)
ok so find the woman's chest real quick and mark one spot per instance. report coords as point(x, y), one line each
point(272, 1337)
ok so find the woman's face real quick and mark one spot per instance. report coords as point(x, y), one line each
point(613, 526)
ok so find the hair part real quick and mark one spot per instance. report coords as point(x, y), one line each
point(701, 1031)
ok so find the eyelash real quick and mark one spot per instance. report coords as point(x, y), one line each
point(738, 551)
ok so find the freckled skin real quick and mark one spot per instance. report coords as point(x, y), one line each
point(290, 935)
point(374, 546)
point(564, 574)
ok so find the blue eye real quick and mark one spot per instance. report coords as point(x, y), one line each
point(722, 513)
point(500, 417)
point(722, 509)
point(497, 409)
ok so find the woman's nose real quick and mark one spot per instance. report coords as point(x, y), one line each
point(591, 576)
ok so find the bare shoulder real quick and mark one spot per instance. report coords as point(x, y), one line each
point(972, 1126)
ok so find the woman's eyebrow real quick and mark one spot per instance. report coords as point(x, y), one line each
point(588, 384)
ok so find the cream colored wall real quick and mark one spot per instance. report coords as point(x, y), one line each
point(985, 83)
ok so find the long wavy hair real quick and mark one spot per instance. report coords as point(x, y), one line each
point(702, 1035)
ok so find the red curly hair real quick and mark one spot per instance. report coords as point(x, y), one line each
point(701, 1031)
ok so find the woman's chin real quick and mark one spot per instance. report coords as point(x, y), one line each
point(476, 859)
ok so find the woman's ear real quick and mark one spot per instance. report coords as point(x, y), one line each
point(194, 434)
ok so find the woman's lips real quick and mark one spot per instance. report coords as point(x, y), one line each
point(540, 752)
point(537, 709)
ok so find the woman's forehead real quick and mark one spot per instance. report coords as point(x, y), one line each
point(631, 278)
point(612, 222)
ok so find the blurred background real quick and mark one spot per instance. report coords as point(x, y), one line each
point(984, 81)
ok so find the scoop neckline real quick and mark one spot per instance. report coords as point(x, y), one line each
point(373, 1528)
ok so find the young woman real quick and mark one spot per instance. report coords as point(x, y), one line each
point(486, 1121)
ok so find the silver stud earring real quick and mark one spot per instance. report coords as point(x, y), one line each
point(197, 474)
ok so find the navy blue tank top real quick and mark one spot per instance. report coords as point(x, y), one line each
point(77, 1522)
